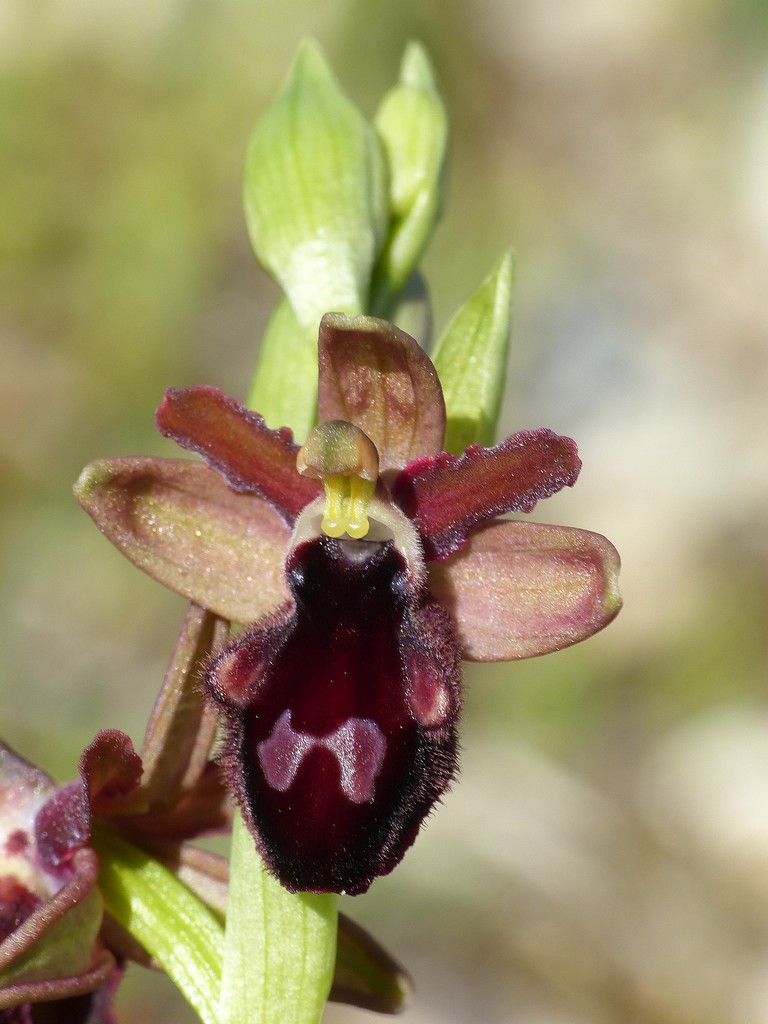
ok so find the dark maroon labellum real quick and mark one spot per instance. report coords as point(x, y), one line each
point(341, 715)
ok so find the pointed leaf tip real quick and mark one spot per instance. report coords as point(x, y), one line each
point(366, 975)
point(471, 360)
point(416, 70)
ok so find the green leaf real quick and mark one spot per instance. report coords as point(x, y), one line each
point(413, 126)
point(169, 921)
point(280, 947)
point(284, 386)
point(471, 360)
point(315, 193)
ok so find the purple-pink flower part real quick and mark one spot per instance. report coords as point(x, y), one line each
point(341, 699)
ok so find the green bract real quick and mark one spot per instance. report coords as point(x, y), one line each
point(315, 194)
point(413, 126)
point(471, 360)
point(285, 382)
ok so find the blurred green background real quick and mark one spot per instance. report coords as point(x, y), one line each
point(604, 859)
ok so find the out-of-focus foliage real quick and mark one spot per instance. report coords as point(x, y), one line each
point(610, 833)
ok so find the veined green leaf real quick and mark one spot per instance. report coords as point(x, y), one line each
point(169, 921)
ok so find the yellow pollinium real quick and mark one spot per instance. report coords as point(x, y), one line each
point(346, 506)
point(346, 460)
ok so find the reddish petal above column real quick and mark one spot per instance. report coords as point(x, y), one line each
point(237, 443)
point(522, 589)
point(179, 522)
point(447, 496)
point(376, 376)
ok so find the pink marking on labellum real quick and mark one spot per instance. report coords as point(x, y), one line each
point(358, 745)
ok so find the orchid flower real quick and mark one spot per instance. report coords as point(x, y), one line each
point(367, 563)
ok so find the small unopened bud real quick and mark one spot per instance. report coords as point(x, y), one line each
point(315, 194)
point(413, 126)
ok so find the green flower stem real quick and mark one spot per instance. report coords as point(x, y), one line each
point(167, 919)
point(280, 949)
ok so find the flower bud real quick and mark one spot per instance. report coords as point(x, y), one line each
point(50, 908)
point(413, 126)
point(315, 197)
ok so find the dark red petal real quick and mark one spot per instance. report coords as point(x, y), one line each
point(16, 904)
point(376, 376)
point(340, 717)
point(17, 1014)
point(111, 770)
point(518, 590)
point(446, 496)
point(238, 444)
point(179, 522)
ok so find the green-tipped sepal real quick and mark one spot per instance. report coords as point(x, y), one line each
point(413, 126)
point(315, 193)
point(471, 360)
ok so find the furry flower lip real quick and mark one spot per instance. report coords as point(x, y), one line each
point(369, 562)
